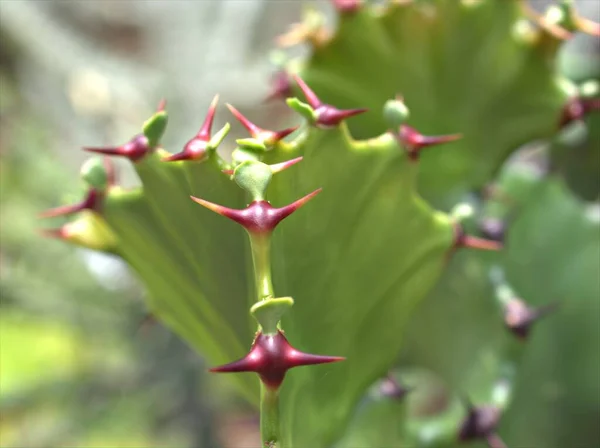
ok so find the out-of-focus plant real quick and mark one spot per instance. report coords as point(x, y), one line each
point(362, 254)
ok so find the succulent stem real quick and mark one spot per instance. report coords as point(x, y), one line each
point(260, 244)
point(269, 416)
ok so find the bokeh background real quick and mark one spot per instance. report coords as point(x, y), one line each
point(80, 363)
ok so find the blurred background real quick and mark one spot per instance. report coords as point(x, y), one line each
point(80, 363)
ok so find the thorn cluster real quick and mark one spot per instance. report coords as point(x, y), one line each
point(271, 356)
point(259, 216)
point(196, 148)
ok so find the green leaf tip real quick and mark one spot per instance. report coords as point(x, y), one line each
point(93, 172)
point(268, 312)
point(154, 127)
point(252, 144)
point(303, 109)
point(254, 177)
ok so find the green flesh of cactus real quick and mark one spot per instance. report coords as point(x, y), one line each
point(359, 257)
point(464, 67)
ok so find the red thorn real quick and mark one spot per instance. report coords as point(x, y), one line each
point(480, 423)
point(347, 6)
point(414, 141)
point(311, 96)
point(280, 87)
point(195, 149)
point(391, 388)
point(519, 317)
point(259, 216)
point(269, 137)
point(162, 105)
point(494, 441)
point(331, 116)
point(462, 240)
point(472, 242)
point(59, 233)
point(577, 108)
point(327, 115)
point(251, 127)
point(228, 172)
point(271, 356)
point(554, 30)
point(134, 150)
point(588, 26)
point(279, 167)
point(92, 201)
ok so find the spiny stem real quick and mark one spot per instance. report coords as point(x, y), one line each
point(269, 397)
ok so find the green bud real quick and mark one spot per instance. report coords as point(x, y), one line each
point(93, 173)
point(254, 177)
point(395, 113)
point(154, 128)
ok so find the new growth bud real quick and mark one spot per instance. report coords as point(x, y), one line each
point(324, 115)
point(271, 356)
point(99, 175)
point(395, 112)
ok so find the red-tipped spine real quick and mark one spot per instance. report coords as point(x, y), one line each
point(196, 148)
point(347, 6)
point(576, 109)
point(519, 317)
point(464, 241)
point(281, 87)
point(414, 142)
point(92, 201)
point(134, 150)
point(326, 114)
point(269, 137)
point(279, 167)
point(271, 356)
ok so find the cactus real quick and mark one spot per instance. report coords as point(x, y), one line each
point(362, 244)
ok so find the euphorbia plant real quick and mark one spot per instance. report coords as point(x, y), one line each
point(358, 257)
